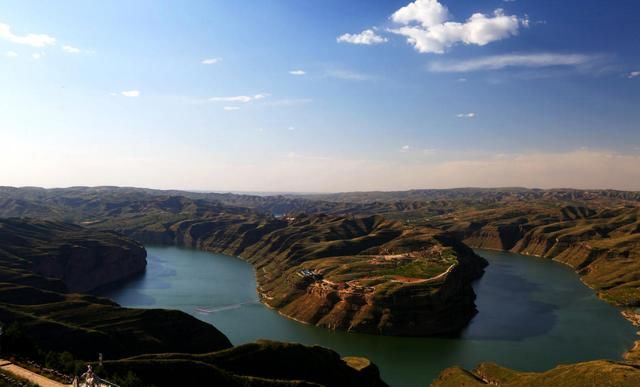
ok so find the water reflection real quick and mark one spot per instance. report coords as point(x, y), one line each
point(507, 307)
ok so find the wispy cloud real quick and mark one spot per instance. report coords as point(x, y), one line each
point(38, 55)
point(427, 27)
point(230, 108)
point(366, 37)
point(297, 72)
point(131, 93)
point(405, 148)
point(70, 49)
point(633, 74)
point(288, 102)
point(497, 62)
point(211, 61)
point(466, 115)
point(239, 98)
point(348, 75)
point(12, 54)
point(33, 40)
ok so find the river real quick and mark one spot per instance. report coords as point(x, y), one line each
point(534, 314)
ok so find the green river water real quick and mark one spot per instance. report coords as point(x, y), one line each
point(534, 314)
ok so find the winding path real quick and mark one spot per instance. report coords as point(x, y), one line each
point(24, 373)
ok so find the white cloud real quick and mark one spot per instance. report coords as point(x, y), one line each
point(497, 62)
point(230, 108)
point(131, 93)
point(239, 98)
point(366, 37)
point(12, 54)
point(34, 40)
point(427, 28)
point(70, 49)
point(297, 72)
point(405, 148)
point(466, 115)
point(633, 74)
point(210, 61)
point(37, 55)
point(291, 128)
point(428, 13)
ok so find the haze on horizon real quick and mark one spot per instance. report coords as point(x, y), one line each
point(320, 96)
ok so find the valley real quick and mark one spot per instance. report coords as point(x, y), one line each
point(334, 262)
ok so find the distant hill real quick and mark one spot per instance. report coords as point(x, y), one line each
point(84, 203)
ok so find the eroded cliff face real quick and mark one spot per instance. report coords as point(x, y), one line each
point(487, 236)
point(90, 266)
point(81, 258)
point(603, 247)
point(44, 264)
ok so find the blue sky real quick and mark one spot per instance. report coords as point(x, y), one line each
point(277, 95)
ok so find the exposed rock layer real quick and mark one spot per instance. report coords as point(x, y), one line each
point(83, 259)
point(58, 320)
point(603, 246)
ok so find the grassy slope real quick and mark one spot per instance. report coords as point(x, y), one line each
point(269, 360)
point(588, 374)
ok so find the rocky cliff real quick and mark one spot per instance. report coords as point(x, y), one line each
point(602, 245)
point(42, 264)
point(83, 259)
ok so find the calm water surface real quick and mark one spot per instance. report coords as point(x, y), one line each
point(534, 314)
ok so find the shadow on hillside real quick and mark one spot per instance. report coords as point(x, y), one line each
point(507, 308)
